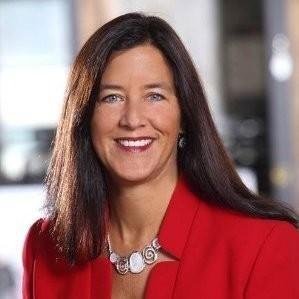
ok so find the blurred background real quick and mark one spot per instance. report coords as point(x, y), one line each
point(246, 52)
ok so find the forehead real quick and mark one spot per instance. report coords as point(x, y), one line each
point(142, 63)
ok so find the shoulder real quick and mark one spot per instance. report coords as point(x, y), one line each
point(31, 239)
point(262, 253)
point(232, 223)
point(240, 234)
point(276, 263)
point(30, 250)
point(35, 234)
point(37, 228)
point(40, 244)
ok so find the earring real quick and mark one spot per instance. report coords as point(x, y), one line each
point(182, 140)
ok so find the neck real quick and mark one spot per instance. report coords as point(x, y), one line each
point(136, 212)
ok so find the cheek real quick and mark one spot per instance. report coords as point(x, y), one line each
point(167, 119)
point(102, 123)
point(97, 130)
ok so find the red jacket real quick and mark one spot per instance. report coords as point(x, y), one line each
point(220, 255)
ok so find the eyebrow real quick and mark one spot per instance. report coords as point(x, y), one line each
point(161, 85)
point(110, 86)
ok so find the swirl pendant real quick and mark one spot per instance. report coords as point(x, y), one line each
point(137, 260)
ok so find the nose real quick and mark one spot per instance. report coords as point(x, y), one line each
point(133, 115)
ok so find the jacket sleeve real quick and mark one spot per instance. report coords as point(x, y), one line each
point(275, 271)
point(29, 251)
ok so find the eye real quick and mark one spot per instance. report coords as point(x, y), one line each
point(112, 98)
point(156, 97)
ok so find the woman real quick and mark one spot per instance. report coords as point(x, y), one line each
point(143, 201)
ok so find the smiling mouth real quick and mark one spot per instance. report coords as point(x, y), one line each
point(134, 145)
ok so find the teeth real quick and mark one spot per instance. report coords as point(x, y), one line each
point(142, 142)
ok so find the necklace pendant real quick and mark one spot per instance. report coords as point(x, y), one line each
point(122, 265)
point(149, 254)
point(136, 262)
point(155, 244)
point(113, 257)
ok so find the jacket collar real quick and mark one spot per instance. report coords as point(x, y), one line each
point(177, 221)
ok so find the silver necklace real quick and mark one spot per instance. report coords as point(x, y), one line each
point(137, 260)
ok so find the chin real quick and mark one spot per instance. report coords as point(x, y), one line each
point(133, 176)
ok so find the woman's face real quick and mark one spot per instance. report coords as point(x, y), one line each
point(136, 121)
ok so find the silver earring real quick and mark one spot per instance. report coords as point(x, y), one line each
point(182, 140)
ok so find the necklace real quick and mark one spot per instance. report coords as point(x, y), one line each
point(137, 260)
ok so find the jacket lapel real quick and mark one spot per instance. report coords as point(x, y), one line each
point(173, 237)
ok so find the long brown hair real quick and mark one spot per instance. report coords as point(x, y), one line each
point(76, 184)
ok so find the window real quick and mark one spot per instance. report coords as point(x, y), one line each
point(35, 53)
